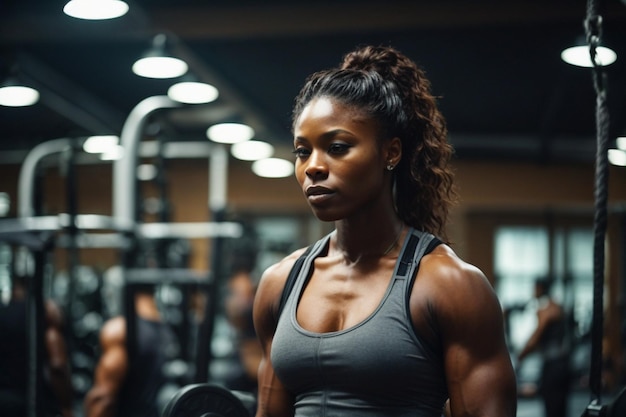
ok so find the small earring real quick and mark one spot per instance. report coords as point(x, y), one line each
point(390, 167)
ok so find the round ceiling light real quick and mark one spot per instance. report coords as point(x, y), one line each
point(191, 92)
point(252, 150)
point(230, 132)
point(272, 168)
point(18, 96)
point(95, 10)
point(101, 143)
point(160, 67)
point(579, 56)
point(113, 154)
point(617, 157)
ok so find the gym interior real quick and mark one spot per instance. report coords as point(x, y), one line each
point(179, 210)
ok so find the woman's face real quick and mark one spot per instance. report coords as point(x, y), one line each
point(339, 162)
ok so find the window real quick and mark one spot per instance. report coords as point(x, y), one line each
point(523, 253)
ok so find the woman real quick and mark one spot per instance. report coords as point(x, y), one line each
point(364, 331)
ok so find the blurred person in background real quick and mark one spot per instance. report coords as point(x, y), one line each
point(550, 339)
point(57, 389)
point(241, 288)
point(124, 388)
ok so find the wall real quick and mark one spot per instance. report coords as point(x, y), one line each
point(485, 187)
point(489, 194)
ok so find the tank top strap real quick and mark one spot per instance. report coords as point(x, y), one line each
point(315, 251)
point(416, 245)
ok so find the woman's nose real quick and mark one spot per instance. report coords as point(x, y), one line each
point(316, 166)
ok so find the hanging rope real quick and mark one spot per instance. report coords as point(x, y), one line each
point(593, 31)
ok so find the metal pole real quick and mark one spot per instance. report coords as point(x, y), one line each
point(35, 320)
point(26, 181)
point(124, 175)
point(218, 179)
point(124, 194)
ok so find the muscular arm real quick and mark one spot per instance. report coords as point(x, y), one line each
point(545, 316)
point(58, 361)
point(101, 400)
point(273, 399)
point(479, 373)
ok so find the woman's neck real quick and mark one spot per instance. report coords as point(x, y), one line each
point(366, 240)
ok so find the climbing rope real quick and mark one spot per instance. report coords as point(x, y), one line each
point(593, 32)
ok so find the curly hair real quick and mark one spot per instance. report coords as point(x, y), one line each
point(393, 90)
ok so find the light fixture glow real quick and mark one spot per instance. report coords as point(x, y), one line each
point(95, 10)
point(158, 63)
point(113, 154)
point(160, 67)
point(18, 96)
point(230, 132)
point(252, 150)
point(191, 92)
point(146, 172)
point(100, 144)
point(617, 157)
point(621, 143)
point(272, 168)
point(579, 56)
point(5, 204)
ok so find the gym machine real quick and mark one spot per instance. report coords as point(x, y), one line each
point(40, 234)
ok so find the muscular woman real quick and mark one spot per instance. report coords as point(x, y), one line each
point(384, 318)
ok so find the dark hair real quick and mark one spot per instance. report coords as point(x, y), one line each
point(545, 283)
point(393, 90)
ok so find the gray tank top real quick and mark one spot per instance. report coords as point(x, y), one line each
point(379, 367)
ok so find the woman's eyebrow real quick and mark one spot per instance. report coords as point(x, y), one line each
point(326, 135)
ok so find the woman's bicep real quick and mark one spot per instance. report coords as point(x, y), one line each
point(481, 380)
point(273, 398)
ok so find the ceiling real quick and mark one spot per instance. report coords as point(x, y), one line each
point(494, 64)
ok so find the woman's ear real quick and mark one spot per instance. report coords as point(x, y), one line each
point(393, 152)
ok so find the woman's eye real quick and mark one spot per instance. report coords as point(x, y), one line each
point(338, 148)
point(301, 152)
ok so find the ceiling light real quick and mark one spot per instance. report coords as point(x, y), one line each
point(158, 63)
point(580, 56)
point(146, 172)
point(113, 154)
point(252, 150)
point(5, 204)
point(621, 143)
point(15, 94)
point(100, 144)
point(617, 157)
point(192, 92)
point(95, 10)
point(272, 168)
point(230, 132)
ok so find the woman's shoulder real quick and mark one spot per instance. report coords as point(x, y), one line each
point(276, 274)
point(444, 263)
point(272, 283)
point(448, 280)
point(454, 294)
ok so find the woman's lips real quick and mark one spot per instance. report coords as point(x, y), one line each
point(317, 194)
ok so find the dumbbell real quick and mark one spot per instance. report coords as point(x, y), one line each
point(209, 400)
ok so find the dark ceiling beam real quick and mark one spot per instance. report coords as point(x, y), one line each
point(314, 19)
point(524, 147)
point(206, 21)
point(249, 112)
point(68, 99)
